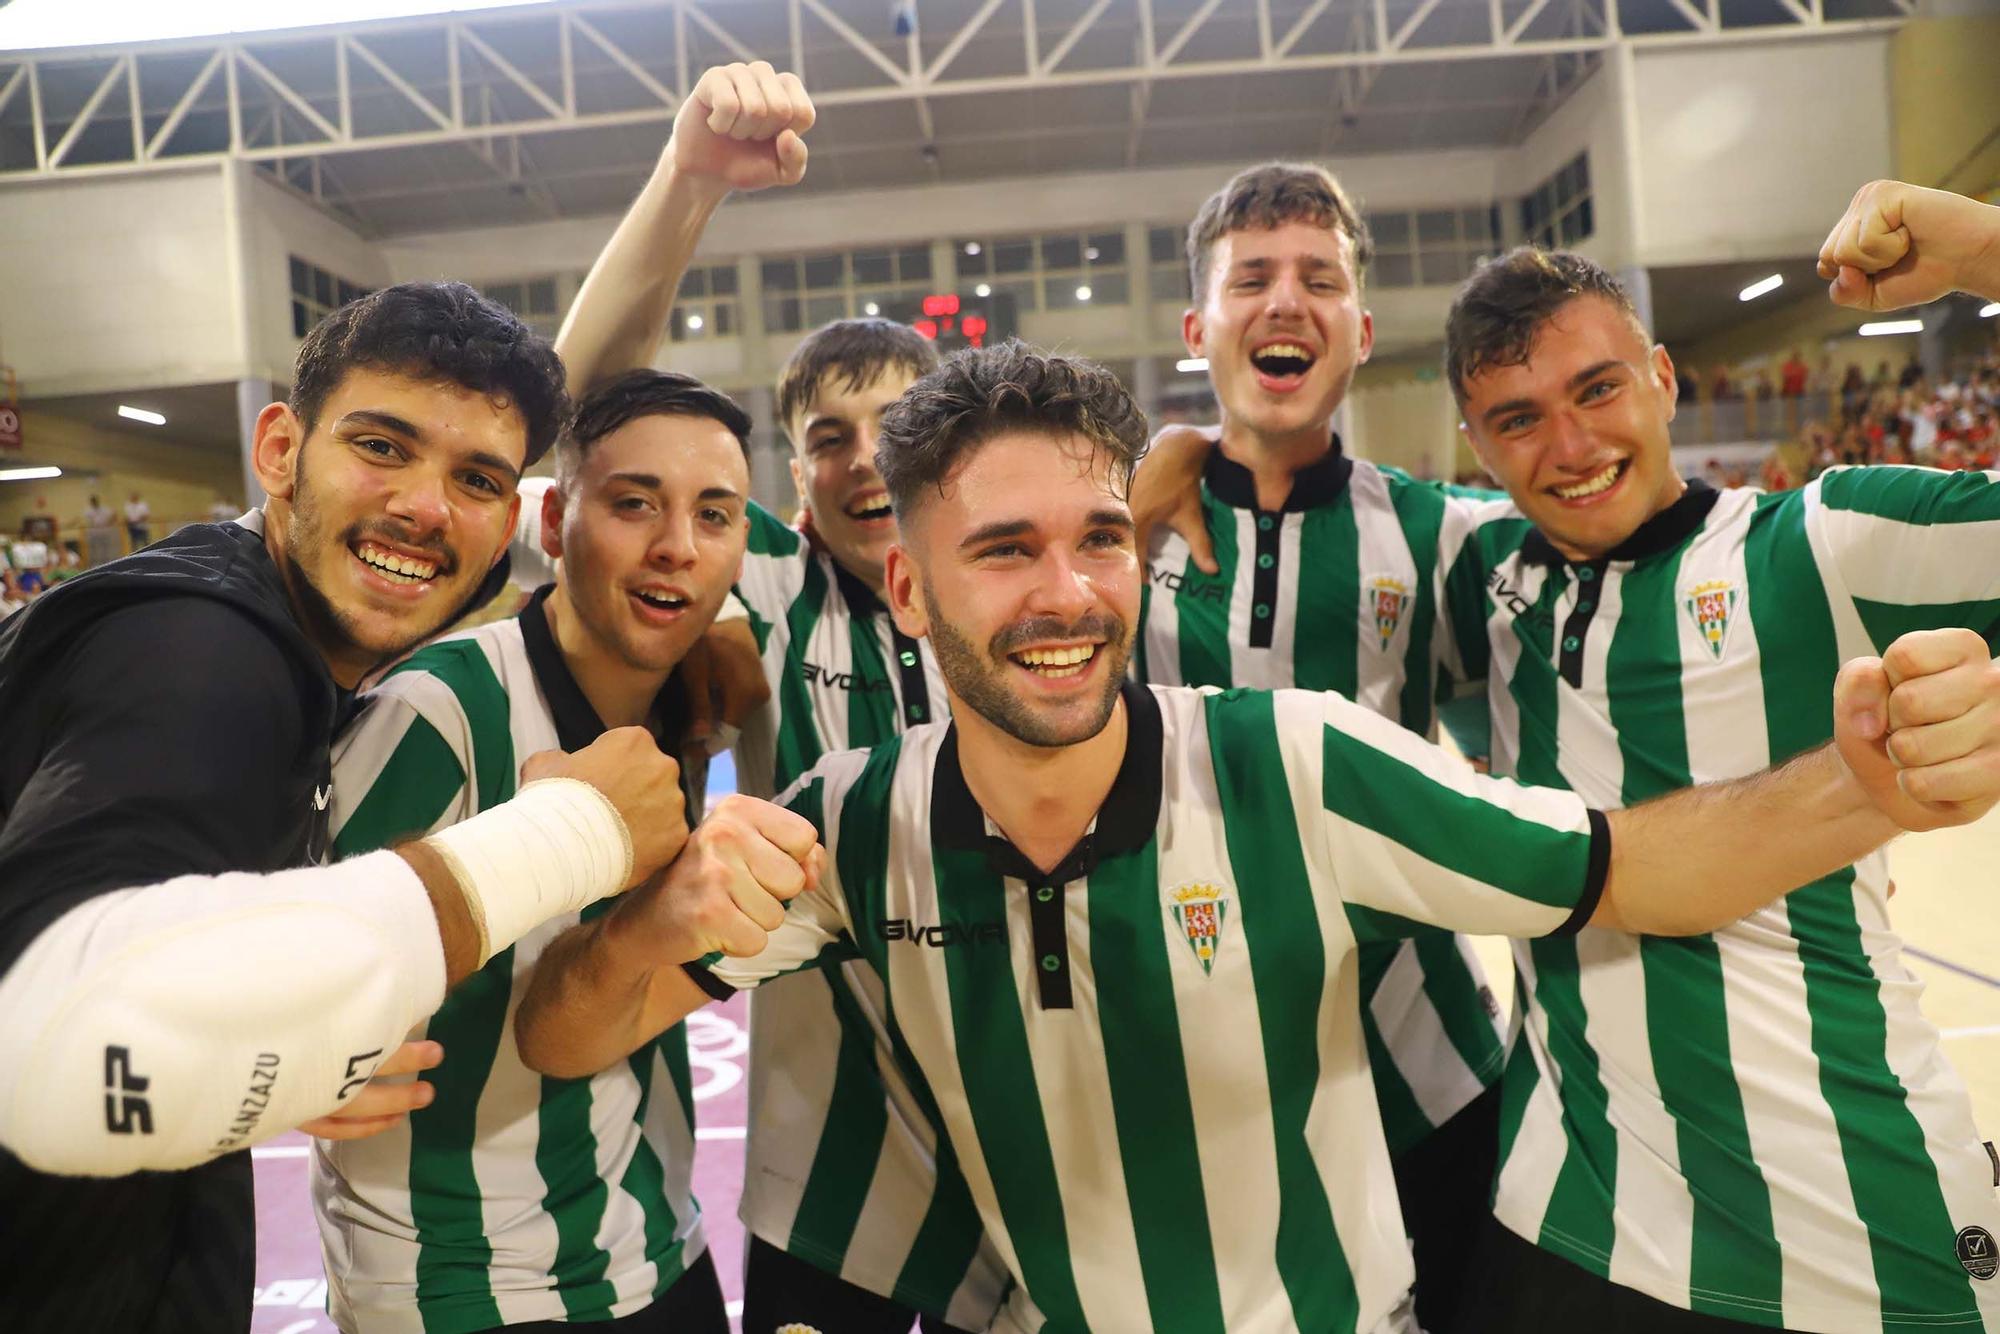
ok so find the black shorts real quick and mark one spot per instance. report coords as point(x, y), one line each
point(1445, 1183)
point(693, 1305)
point(1518, 1288)
point(781, 1289)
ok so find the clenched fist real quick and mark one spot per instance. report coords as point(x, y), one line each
point(642, 784)
point(742, 128)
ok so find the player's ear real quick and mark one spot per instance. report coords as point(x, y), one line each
point(902, 587)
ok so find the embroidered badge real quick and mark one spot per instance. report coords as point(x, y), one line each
point(1199, 910)
point(1712, 604)
point(1390, 598)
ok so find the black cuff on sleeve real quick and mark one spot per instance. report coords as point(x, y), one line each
point(716, 988)
point(1594, 877)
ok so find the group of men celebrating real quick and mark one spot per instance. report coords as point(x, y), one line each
point(1086, 1000)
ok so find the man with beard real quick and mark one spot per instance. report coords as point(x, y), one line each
point(177, 985)
point(512, 1200)
point(1325, 575)
point(857, 1220)
point(1116, 924)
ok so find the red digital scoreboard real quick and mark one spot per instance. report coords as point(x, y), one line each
point(954, 321)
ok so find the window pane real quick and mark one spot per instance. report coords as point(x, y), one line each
point(1170, 285)
point(694, 283)
point(1110, 248)
point(301, 320)
point(322, 287)
point(824, 271)
point(722, 279)
point(781, 275)
point(1391, 230)
point(1443, 266)
point(1437, 227)
point(825, 309)
point(723, 323)
point(1476, 224)
point(1582, 170)
point(1059, 293)
point(677, 328)
point(507, 294)
point(301, 278)
point(1394, 271)
point(969, 263)
point(542, 296)
point(913, 264)
point(874, 266)
point(1023, 293)
point(781, 314)
point(1013, 256)
point(1164, 244)
point(1110, 289)
point(1062, 252)
point(1565, 191)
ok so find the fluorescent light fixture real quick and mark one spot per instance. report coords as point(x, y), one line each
point(1761, 286)
point(694, 321)
point(872, 308)
point(1191, 364)
point(27, 474)
point(141, 415)
point(1989, 310)
point(1083, 294)
point(1876, 328)
point(984, 289)
point(972, 247)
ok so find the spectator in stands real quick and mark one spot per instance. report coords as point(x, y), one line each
point(100, 531)
point(31, 561)
point(12, 599)
point(1793, 373)
point(138, 521)
point(69, 565)
point(1853, 389)
point(1722, 387)
point(1913, 371)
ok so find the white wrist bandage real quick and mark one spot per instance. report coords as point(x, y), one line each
point(160, 1027)
point(558, 846)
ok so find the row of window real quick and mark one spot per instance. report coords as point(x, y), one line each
point(316, 294)
point(1557, 212)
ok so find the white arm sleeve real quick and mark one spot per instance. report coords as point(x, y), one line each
point(162, 1026)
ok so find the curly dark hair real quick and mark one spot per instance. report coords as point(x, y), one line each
point(1501, 308)
point(979, 393)
point(856, 352)
point(644, 393)
point(1267, 196)
point(445, 333)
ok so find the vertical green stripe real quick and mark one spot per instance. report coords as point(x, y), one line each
point(1534, 687)
point(991, 1036)
point(1326, 625)
point(948, 1239)
point(461, 665)
point(1463, 1005)
point(1517, 1085)
point(861, 853)
point(1420, 515)
point(1150, 1103)
point(1578, 1223)
point(645, 1178)
point(850, 1140)
point(799, 744)
point(1403, 1119)
point(1281, 928)
point(566, 1157)
point(1201, 604)
point(415, 787)
point(1896, 1191)
point(871, 702)
point(1734, 1246)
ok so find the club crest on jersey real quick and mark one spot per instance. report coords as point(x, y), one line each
point(1390, 598)
point(1712, 604)
point(1199, 910)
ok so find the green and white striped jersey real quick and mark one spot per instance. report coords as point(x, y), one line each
point(1339, 590)
point(512, 1197)
point(842, 1168)
point(1149, 1060)
point(1757, 1124)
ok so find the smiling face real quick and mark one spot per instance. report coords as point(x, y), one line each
point(1578, 432)
point(833, 465)
point(650, 531)
point(1024, 575)
point(388, 514)
point(1282, 326)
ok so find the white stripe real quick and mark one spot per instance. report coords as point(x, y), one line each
point(1163, 614)
point(1383, 552)
point(1851, 639)
point(1242, 593)
point(1914, 563)
point(1442, 1083)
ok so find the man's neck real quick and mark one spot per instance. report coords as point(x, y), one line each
point(1274, 460)
point(1042, 797)
point(622, 695)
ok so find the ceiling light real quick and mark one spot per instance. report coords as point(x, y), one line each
point(1989, 310)
point(1090, 253)
point(872, 309)
point(694, 321)
point(1877, 328)
point(1191, 364)
point(1083, 294)
point(141, 415)
point(972, 247)
point(1761, 286)
point(27, 474)
point(984, 289)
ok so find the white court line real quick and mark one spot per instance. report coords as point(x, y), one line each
point(720, 1132)
point(1980, 1031)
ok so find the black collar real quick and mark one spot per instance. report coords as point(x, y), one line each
point(577, 723)
point(862, 604)
point(1661, 533)
point(1125, 822)
point(1314, 486)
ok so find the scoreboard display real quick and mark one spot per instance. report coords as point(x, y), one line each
point(954, 321)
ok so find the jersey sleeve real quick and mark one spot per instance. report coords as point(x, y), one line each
point(1911, 548)
point(815, 928)
point(397, 773)
point(1413, 838)
point(1467, 552)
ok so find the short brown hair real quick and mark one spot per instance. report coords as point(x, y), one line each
point(1504, 304)
point(856, 352)
point(643, 393)
point(979, 393)
point(1261, 198)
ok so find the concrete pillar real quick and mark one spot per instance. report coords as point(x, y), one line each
point(1145, 384)
point(252, 394)
point(1638, 284)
